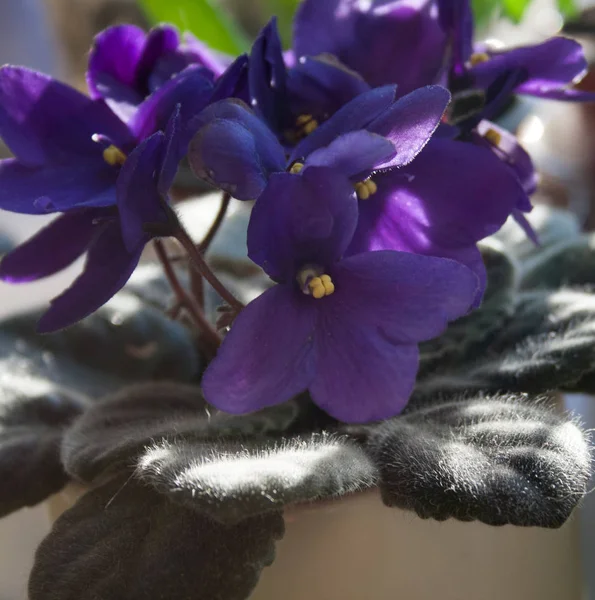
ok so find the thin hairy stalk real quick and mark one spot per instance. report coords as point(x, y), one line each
point(211, 337)
point(203, 268)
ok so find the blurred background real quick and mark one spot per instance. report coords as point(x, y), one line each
point(54, 36)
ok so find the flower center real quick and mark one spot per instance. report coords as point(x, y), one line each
point(365, 189)
point(306, 124)
point(296, 168)
point(492, 136)
point(114, 156)
point(478, 58)
point(313, 282)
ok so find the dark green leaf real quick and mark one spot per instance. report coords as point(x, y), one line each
point(204, 18)
point(125, 540)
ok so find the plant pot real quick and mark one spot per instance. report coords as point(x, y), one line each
point(356, 548)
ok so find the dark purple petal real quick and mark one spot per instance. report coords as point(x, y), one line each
point(114, 59)
point(233, 83)
point(160, 43)
point(322, 85)
point(44, 121)
point(384, 303)
point(266, 358)
point(323, 27)
point(385, 42)
point(355, 155)
point(514, 155)
point(190, 89)
point(360, 375)
point(176, 147)
point(409, 297)
point(139, 200)
point(410, 122)
point(41, 190)
point(456, 19)
point(523, 222)
point(234, 150)
point(358, 114)
point(51, 249)
point(302, 219)
point(268, 78)
point(552, 65)
point(224, 153)
point(201, 54)
point(107, 269)
point(453, 195)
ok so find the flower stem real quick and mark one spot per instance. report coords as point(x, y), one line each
point(211, 337)
point(204, 245)
point(203, 268)
point(196, 279)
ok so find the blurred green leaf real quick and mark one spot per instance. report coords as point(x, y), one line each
point(204, 18)
point(483, 11)
point(515, 9)
point(567, 7)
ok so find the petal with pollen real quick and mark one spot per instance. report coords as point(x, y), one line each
point(357, 114)
point(549, 66)
point(41, 190)
point(44, 121)
point(452, 195)
point(367, 331)
point(302, 219)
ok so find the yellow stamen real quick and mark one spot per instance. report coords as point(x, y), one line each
point(306, 124)
point(478, 58)
point(310, 127)
point(493, 137)
point(303, 119)
point(114, 156)
point(296, 168)
point(372, 187)
point(365, 189)
point(321, 286)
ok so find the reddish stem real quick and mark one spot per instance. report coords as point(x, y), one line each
point(203, 268)
point(211, 337)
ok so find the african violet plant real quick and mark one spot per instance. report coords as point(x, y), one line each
point(375, 171)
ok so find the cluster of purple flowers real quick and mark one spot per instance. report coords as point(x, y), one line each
point(368, 150)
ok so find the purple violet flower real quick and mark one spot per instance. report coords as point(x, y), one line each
point(237, 152)
point(294, 101)
point(127, 65)
point(440, 201)
point(406, 42)
point(112, 239)
point(398, 42)
point(74, 156)
point(346, 329)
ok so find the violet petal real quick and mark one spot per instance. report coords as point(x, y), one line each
point(266, 358)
